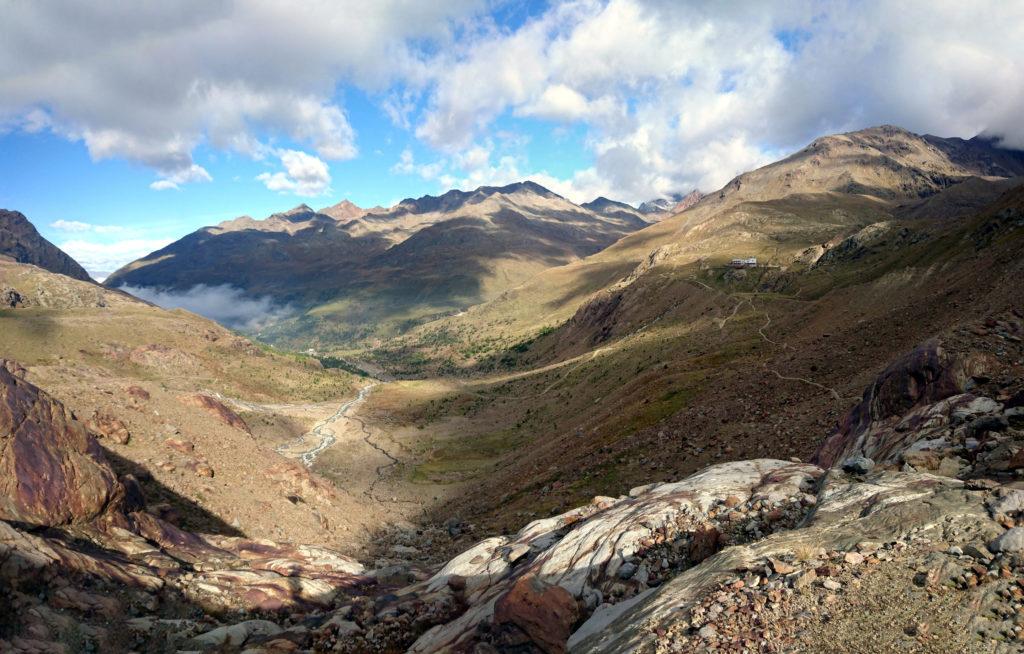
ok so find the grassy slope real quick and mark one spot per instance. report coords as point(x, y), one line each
point(694, 364)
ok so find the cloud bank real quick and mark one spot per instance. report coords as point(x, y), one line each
point(150, 81)
point(665, 95)
point(225, 304)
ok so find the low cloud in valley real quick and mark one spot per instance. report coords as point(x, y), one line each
point(226, 304)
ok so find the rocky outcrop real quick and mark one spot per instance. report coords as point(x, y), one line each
point(11, 299)
point(104, 424)
point(52, 471)
point(881, 423)
point(747, 594)
point(528, 592)
point(217, 409)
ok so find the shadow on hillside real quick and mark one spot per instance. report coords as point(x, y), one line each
point(191, 516)
point(31, 324)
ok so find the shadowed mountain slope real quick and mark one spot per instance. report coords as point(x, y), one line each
point(655, 354)
point(20, 241)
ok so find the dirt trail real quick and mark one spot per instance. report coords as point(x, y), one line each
point(721, 322)
point(579, 362)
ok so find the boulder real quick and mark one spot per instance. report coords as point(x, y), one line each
point(921, 378)
point(180, 445)
point(235, 635)
point(103, 424)
point(138, 393)
point(52, 471)
point(858, 465)
point(544, 613)
point(217, 409)
point(1011, 542)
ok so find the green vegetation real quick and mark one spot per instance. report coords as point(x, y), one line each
point(332, 363)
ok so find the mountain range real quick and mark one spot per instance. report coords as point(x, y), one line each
point(784, 415)
point(354, 274)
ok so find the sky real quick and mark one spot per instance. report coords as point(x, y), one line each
point(124, 126)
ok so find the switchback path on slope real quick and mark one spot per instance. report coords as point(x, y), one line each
point(760, 331)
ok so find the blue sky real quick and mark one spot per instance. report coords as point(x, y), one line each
point(123, 129)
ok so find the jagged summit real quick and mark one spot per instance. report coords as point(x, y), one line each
point(296, 210)
point(359, 269)
point(672, 204)
point(345, 210)
point(455, 198)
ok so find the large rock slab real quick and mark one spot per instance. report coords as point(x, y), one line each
point(918, 380)
point(52, 471)
point(882, 508)
point(609, 550)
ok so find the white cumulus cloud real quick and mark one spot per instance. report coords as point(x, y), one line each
point(149, 81)
point(668, 95)
point(677, 95)
point(303, 175)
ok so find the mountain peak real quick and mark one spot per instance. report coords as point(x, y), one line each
point(885, 162)
point(516, 187)
point(601, 202)
point(672, 203)
point(455, 198)
point(300, 209)
point(344, 210)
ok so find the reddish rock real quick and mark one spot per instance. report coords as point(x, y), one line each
point(546, 614)
point(201, 467)
point(1016, 461)
point(179, 445)
point(52, 471)
point(216, 409)
point(104, 425)
point(203, 470)
point(137, 392)
point(781, 567)
point(296, 479)
point(926, 375)
point(166, 513)
point(706, 541)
